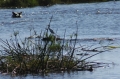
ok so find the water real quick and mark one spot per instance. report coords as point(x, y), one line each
point(94, 21)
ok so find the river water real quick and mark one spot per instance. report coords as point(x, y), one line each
point(95, 21)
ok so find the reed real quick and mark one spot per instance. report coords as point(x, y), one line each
point(43, 52)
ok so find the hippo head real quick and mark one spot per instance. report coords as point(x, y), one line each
point(16, 14)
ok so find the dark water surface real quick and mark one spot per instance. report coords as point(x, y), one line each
point(95, 21)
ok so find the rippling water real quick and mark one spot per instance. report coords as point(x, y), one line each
point(94, 20)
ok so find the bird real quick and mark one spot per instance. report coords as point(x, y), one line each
point(51, 30)
point(16, 14)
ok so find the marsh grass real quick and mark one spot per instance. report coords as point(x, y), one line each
point(45, 52)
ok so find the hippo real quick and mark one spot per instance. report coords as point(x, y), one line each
point(16, 14)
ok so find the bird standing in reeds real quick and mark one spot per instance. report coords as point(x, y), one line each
point(51, 31)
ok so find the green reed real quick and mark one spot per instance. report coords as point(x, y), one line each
point(44, 52)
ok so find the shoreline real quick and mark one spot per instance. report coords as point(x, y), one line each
point(29, 3)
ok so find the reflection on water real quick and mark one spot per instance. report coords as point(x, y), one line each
point(95, 22)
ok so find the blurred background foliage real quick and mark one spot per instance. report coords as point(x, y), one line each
point(32, 3)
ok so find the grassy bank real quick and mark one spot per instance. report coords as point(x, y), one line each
point(31, 3)
point(45, 52)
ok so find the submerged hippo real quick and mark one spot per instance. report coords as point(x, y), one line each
point(16, 14)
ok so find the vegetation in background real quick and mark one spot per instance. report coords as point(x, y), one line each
point(45, 52)
point(31, 3)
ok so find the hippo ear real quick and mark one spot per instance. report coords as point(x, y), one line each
point(20, 13)
point(13, 13)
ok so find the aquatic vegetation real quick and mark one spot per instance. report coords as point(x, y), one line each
point(42, 53)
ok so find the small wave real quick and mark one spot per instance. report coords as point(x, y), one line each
point(94, 39)
point(103, 11)
point(15, 22)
